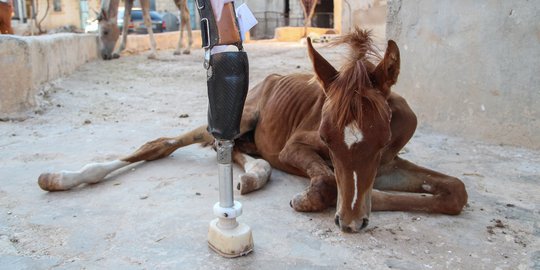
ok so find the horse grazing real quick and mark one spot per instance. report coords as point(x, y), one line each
point(341, 129)
point(109, 32)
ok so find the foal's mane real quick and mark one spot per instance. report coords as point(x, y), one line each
point(347, 93)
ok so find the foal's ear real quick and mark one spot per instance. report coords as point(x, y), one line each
point(102, 16)
point(325, 72)
point(386, 73)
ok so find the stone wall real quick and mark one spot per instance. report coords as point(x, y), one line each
point(28, 62)
point(471, 68)
point(33, 61)
point(164, 41)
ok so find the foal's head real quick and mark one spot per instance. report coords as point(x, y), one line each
point(355, 123)
point(108, 33)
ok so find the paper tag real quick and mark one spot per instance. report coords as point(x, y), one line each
point(246, 20)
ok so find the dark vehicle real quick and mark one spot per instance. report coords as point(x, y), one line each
point(136, 24)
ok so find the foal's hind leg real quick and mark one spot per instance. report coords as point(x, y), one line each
point(96, 172)
point(447, 194)
point(427, 190)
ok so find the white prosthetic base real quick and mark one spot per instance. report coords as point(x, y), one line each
point(230, 243)
point(226, 236)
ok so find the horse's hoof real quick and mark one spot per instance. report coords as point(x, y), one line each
point(152, 56)
point(248, 183)
point(186, 52)
point(177, 53)
point(302, 202)
point(50, 181)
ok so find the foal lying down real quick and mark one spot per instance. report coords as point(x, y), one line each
point(342, 129)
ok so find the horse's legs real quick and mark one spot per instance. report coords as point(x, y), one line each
point(300, 154)
point(396, 174)
point(145, 4)
point(447, 194)
point(256, 172)
point(184, 24)
point(178, 50)
point(179, 45)
point(187, 24)
point(96, 172)
point(127, 18)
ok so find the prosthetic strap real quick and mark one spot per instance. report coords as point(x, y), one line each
point(228, 72)
point(222, 30)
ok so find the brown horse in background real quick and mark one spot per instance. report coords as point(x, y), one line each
point(341, 129)
point(109, 32)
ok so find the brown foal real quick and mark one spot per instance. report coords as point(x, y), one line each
point(342, 129)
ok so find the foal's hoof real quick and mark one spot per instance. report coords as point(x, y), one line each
point(302, 202)
point(257, 174)
point(177, 52)
point(152, 56)
point(50, 181)
point(186, 51)
point(248, 183)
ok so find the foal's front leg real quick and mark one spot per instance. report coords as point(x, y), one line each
point(301, 152)
point(256, 172)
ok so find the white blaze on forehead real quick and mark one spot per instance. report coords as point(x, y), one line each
point(352, 134)
point(355, 190)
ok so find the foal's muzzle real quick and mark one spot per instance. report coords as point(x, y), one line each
point(353, 227)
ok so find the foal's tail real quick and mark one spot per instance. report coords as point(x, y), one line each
point(96, 172)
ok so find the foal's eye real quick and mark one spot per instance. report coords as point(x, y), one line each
point(105, 32)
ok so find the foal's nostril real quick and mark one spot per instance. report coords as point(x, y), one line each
point(365, 222)
point(336, 220)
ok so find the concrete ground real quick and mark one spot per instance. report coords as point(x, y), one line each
point(156, 215)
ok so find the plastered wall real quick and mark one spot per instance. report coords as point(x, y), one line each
point(471, 68)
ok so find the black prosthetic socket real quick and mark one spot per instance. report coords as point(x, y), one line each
point(228, 71)
point(227, 90)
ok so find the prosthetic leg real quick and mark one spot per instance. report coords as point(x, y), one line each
point(227, 83)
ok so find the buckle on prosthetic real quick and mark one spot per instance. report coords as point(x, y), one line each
point(227, 83)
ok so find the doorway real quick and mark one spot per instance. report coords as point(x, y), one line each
point(324, 14)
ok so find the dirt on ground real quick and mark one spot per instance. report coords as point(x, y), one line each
point(155, 215)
